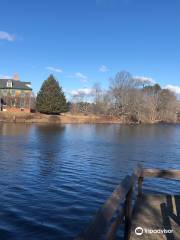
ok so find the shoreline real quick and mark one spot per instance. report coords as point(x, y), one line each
point(66, 118)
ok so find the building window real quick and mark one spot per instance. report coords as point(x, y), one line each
point(22, 95)
point(5, 92)
point(22, 100)
point(13, 92)
point(9, 84)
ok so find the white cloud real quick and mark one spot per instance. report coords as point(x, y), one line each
point(2, 76)
point(7, 36)
point(145, 80)
point(173, 88)
point(54, 69)
point(103, 68)
point(81, 92)
point(80, 76)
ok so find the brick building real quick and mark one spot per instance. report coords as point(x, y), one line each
point(15, 95)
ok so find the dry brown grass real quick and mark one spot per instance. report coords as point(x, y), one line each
point(63, 118)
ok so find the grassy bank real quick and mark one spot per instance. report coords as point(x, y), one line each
point(63, 118)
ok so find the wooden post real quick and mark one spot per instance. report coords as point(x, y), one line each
point(128, 212)
point(98, 227)
point(140, 182)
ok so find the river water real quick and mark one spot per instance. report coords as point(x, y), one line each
point(53, 178)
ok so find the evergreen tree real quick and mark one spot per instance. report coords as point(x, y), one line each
point(51, 99)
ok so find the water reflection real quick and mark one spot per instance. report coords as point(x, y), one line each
point(12, 139)
point(13, 129)
point(49, 147)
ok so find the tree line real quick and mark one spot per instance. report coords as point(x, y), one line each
point(128, 98)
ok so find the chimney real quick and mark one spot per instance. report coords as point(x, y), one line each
point(16, 77)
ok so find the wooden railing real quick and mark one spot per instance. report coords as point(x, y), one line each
point(174, 174)
point(105, 224)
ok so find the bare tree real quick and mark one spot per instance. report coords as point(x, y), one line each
point(131, 99)
point(126, 93)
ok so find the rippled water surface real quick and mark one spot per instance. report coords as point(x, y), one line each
point(54, 178)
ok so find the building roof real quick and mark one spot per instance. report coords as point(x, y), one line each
point(15, 84)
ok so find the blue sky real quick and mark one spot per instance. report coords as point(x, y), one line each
point(86, 41)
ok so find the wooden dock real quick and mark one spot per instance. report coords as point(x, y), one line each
point(159, 213)
point(148, 217)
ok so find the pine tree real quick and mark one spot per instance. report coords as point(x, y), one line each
point(51, 99)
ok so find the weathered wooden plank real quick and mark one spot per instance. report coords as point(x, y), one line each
point(100, 223)
point(156, 212)
point(139, 170)
point(104, 215)
point(140, 185)
point(114, 226)
point(128, 212)
point(175, 174)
